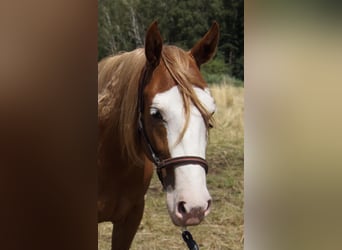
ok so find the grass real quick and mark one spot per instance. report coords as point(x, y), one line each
point(223, 78)
point(223, 227)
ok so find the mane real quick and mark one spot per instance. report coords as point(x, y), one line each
point(118, 80)
point(117, 110)
point(178, 63)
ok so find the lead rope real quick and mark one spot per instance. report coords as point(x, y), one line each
point(190, 242)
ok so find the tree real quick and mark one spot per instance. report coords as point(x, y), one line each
point(122, 25)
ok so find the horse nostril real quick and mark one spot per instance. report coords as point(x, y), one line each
point(209, 204)
point(181, 207)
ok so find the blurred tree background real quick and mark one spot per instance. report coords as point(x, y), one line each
point(122, 25)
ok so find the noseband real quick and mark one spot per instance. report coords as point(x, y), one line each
point(158, 162)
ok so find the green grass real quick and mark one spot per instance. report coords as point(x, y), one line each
point(223, 227)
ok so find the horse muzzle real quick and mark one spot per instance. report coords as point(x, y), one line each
point(187, 215)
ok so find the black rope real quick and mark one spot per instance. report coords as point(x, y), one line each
point(190, 242)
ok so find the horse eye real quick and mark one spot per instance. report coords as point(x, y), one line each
point(156, 114)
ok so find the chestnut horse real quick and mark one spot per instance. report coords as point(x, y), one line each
point(154, 109)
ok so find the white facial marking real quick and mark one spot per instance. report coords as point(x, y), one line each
point(190, 180)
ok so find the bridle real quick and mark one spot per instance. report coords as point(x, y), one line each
point(158, 162)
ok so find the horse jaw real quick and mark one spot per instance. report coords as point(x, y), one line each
point(188, 200)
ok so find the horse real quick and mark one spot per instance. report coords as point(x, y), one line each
point(154, 111)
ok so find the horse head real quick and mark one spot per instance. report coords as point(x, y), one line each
point(176, 112)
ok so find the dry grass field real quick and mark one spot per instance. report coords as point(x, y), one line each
point(223, 227)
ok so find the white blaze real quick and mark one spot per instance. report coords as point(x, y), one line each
point(190, 180)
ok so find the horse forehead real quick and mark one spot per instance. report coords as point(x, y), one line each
point(161, 80)
point(172, 100)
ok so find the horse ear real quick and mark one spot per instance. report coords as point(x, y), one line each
point(205, 48)
point(153, 45)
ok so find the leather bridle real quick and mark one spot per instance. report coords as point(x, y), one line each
point(158, 162)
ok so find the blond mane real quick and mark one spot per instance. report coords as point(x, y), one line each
point(118, 80)
point(178, 63)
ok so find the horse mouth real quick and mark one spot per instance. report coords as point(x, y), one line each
point(186, 221)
